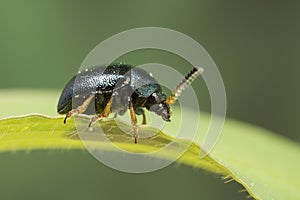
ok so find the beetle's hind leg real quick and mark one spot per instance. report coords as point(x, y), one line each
point(80, 109)
point(104, 114)
point(141, 111)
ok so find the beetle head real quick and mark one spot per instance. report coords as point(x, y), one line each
point(156, 103)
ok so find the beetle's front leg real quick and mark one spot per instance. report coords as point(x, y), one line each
point(133, 120)
point(104, 114)
point(79, 109)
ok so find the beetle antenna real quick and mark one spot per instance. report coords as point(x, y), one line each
point(188, 79)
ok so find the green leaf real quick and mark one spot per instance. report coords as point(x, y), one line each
point(264, 163)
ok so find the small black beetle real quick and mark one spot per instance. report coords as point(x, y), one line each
point(116, 88)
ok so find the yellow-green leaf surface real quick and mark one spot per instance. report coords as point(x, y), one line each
point(264, 163)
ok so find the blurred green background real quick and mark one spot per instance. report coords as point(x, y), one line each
point(255, 44)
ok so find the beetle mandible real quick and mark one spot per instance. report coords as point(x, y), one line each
point(117, 88)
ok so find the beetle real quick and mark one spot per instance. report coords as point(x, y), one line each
point(117, 88)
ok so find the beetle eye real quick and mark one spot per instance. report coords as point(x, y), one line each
point(155, 97)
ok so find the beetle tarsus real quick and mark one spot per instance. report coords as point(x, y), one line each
point(105, 114)
point(79, 109)
point(93, 120)
point(90, 124)
point(65, 120)
point(135, 134)
point(68, 115)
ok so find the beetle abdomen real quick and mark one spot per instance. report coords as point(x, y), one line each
point(65, 101)
point(94, 80)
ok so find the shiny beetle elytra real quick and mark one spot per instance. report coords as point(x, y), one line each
point(117, 88)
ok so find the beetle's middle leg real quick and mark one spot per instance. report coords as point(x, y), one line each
point(104, 114)
point(79, 109)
